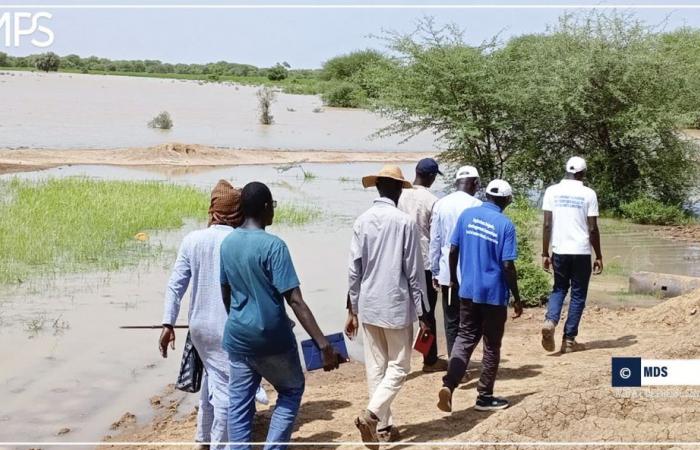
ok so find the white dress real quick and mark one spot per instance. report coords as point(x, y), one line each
point(197, 264)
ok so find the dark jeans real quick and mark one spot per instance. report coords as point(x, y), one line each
point(451, 314)
point(569, 271)
point(476, 321)
point(429, 318)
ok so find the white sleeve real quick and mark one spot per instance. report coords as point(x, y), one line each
point(593, 205)
point(355, 268)
point(547, 200)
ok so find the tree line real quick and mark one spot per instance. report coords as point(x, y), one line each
point(602, 86)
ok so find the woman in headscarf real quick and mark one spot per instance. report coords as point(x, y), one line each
point(197, 264)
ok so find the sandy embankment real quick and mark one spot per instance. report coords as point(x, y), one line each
point(186, 155)
point(555, 398)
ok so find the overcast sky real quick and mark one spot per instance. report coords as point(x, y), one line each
point(303, 37)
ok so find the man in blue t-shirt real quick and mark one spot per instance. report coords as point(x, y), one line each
point(485, 246)
point(257, 276)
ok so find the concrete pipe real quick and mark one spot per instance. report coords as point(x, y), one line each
point(662, 285)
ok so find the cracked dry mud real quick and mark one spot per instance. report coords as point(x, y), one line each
point(555, 398)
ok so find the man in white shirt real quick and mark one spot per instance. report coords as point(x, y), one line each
point(571, 226)
point(386, 291)
point(443, 220)
point(418, 203)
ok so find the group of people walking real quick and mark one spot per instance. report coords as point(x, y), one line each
point(407, 249)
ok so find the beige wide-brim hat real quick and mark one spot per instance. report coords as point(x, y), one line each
point(388, 171)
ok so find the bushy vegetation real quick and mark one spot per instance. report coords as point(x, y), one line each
point(349, 80)
point(533, 281)
point(345, 95)
point(278, 72)
point(47, 62)
point(162, 121)
point(604, 87)
point(265, 98)
point(646, 210)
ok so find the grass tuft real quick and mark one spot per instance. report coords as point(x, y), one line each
point(296, 214)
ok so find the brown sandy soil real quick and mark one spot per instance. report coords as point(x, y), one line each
point(554, 397)
point(184, 155)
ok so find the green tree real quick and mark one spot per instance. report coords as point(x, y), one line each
point(599, 86)
point(3, 59)
point(277, 73)
point(71, 62)
point(48, 62)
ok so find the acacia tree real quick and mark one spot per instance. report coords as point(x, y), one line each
point(603, 87)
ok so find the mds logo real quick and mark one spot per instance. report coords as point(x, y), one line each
point(17, 27)
point(655, 371)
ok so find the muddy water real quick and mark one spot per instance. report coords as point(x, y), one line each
point(96, 111)
point(81, 372)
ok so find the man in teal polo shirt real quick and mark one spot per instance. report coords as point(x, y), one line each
point(257, 276)
point(485, 246)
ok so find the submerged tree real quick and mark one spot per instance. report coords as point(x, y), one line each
point(265, 98)
point(162, 121)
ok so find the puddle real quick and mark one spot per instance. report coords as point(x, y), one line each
point(113, 111)
point(65, 363)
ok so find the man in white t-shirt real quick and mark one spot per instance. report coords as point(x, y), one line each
point(443, 220)
point(571, 226)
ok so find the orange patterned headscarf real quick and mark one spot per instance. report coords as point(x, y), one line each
point(225, 206)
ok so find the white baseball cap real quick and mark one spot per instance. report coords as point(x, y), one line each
point(467, 172)
point(575, 164)
point(499, 188)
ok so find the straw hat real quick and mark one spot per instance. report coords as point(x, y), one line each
point(388, 171)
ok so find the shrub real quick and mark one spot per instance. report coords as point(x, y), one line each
point(277, 73)
point(265, 98)
point(344, 95)
point(346, 67)
point(162, 121)
point(646, 210)
point(533, 282)
point(48, 62)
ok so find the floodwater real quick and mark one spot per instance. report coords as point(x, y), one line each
point(57, 110)
point(78, 370)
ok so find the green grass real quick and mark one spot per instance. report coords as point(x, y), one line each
point(74, 224)
point(296, 214)
point(79, 224)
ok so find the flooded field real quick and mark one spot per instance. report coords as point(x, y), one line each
point(58, 110)
point(66, 364)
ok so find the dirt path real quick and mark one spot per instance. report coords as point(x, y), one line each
point(186, 155)
point(555, 398)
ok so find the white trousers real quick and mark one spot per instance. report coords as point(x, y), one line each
point(387, 362)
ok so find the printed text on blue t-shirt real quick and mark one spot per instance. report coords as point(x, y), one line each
point(483, 230)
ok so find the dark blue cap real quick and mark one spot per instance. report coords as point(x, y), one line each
point(428, 166)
